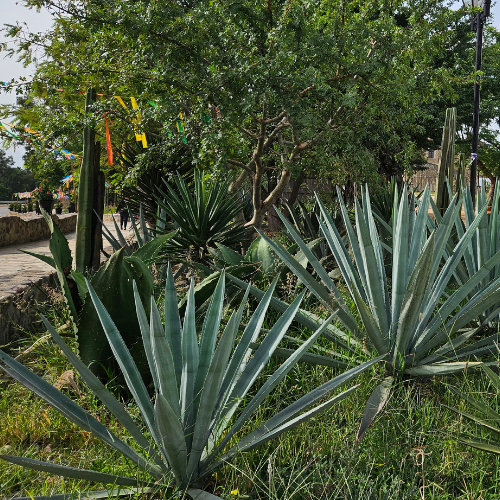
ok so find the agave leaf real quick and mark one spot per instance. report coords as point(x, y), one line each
point(317, 288)
point(480, 444)
point(495, 379)
point(44, 258)
point(374, 405)
point(208, 399)
point(108, 234)
point(400, 263)
point(144, 228)
point(190, 357)
point(480, 421)
point(454, 301)
point(323, 275)
point(127, 365)
point(151, 250)
point(146, 335)
point(312, 359)
point(72, 411)
point(242, 353)
point(229, 256)
point(91, 495)
point(353, 240)
point(100, 390)
point(305, 318)
point(264, 432)
point(419, 230)
point(121, 239)
point(171, 438)
point(269, 386)
point(304, 417)
point(492, 415)
point(208, 338)
point(72, 472)
point(412, 300)
point(341, 255)
point(173, 329)
point(259, 251)
point(375, 285)
point(134, 225)
point(372, 329)
point(164, 362)
point(436, 369)
point(264, 352)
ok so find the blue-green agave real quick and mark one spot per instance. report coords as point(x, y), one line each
point(197, 412)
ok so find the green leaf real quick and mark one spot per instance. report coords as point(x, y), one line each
point(100, 390)
point(72, 472)
point(171, 438)
point(74, 413)
point(44, 258)
point(374, 405)
point(127, 365)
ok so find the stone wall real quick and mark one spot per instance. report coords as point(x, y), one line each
point(18, 312)
point(15, 230)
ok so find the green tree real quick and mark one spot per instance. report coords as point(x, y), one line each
point(13, 179)
point(266, 92)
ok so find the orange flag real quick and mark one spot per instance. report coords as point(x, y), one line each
point(108, 142)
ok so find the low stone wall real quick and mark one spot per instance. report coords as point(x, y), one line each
point(15, 230)
point(18, 312)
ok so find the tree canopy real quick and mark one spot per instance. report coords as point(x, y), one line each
point(338, 88)
point(13, 179)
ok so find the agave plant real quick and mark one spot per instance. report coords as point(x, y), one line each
point(113, 284)
point(203, 218)
point(200, 388)
point(485, 242)
point(488, 421)
point(410, 318)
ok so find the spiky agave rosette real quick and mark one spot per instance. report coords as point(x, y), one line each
point(199, 387)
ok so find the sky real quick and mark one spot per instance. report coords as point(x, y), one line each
point(13, 12)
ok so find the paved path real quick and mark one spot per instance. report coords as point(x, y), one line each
point(18, 270)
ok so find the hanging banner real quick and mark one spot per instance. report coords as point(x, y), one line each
point(109, 148)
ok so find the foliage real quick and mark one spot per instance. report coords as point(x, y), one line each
point(267, 91)
point(13, 179)
point(44, 192)
point(414, 321)
point(113, 285)
point(202, 218)
point(198, 386)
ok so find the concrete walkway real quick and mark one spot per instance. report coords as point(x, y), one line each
point(18, 270)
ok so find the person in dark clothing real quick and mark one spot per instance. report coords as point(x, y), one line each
point(123, 218)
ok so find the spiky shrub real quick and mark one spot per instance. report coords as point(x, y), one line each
point(199, 388)
point(411, 319)
point(202, 217)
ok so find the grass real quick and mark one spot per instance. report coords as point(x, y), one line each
point(409, 453)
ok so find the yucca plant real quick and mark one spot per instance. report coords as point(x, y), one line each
point(410, 318)
point(202, 218)
point(489, 419)
point(200, 403)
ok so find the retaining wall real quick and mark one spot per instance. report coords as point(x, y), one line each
point(15, 230)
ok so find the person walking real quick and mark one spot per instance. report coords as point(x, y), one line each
point(123, 218)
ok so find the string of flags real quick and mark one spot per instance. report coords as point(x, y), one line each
point(139, 136)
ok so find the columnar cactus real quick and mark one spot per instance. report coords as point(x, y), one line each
point(447, 161)
point(83, 244)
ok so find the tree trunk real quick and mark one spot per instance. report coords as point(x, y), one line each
point(296, 188)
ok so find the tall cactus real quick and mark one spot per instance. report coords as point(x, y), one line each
point(447, 161)
point(83, 243)
point(460, 173)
